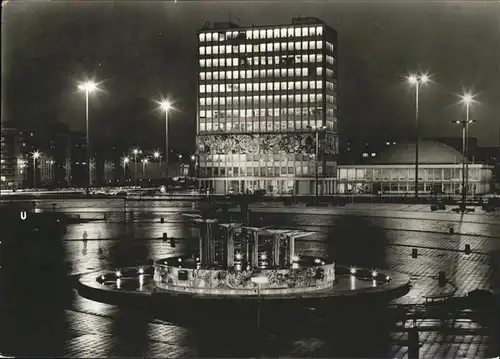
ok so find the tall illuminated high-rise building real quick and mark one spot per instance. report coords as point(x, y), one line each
point(265, 94)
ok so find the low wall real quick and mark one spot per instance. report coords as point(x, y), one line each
point(280, 281)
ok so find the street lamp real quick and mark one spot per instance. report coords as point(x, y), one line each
point(467, 99)
point(125, 161)
point(87, 87)
point(135, 152)
point(317, 130)
point(36, 155)
point(417, 80)
point(144, 164)
point(166, 106)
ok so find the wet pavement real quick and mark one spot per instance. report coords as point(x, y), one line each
point(78, 327)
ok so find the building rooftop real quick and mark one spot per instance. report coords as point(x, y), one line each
point(430, 152)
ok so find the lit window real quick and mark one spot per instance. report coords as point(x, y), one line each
point(209, 88)
point(262, 34)
point(229, 75)
point(262, 47)
point(202, 101)
point(235, 62)
point(276, 73)
point(262, 86)
point(297, 72)
point(319, 44)
point(209, 36)
point(297, 98)
point(290, 72)
point(269, 86)
point(319, 84)
point(269, 47)
point(312, 45)
point(305, 31)
point(222, 62)
point(202, 76)
point(305, 71)
point(297, 46)
point(249, 34)
point(209, 50)
point(202, 37)
point(283, 32)
point(269, 34)
point(235, 75)
point(290, 46)
point(216, 100)
point(276, 33)
point(209, 62)
point(202, 63)
point(249, 74)
point(255, 73)
point(202, 113)
point(249, 48)
point(319, 58)
point(202, 88)
point(215, 49)
point(202, 50)
point(209, 75)
point(290, 32)
point(242, 74)
point(256, 34)
point(242, 48)
point(312, 58)
point(312, 84)
point(319, 30)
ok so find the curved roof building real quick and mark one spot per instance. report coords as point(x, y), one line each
point(429, 152)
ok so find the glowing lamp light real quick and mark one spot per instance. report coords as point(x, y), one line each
point(118, 273)
point(126, 160)
point(424, 78)
point(135, 151)
point(238, 256)
point(156, 154)
point(166, 105)
point(36, 154)
point(141, 270)
point(88, 86)
point(374, 273)
point(263, 256)
point(179, 260)
point(467, 98)
point(387, 278)
point(353, 270)
point(412, 79)
point(197, 259)
point(295, 258)
point(317, 261)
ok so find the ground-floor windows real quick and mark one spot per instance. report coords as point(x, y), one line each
point(271, 186)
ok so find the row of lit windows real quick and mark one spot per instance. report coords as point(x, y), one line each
point(288, 60)
point(303, 98)
point(267, 47)
point(262, 34)
point(256, 112)
point(242, 74)
point(263, 86)
point(404, 174)
point(265, 126)
point(259, 100)
point(236, 157)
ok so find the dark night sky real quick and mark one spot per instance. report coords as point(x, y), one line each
point(142, 50)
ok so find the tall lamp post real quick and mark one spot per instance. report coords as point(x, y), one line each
point(417, 80)
point(157, 156)
point(166, 106)
point(144, 164)
point(316, 159)
point(125, 161)
point(135, 152)
point(466, 99)
point(36, 155)
point(87, 87)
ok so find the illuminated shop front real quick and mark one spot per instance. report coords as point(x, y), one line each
point(440, 172)
point(266, 95)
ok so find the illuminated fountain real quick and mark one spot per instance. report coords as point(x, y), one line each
point(231, 256)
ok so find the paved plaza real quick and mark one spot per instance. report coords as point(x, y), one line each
point(92, 325)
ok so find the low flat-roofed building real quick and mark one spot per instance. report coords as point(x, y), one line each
point(393, 172)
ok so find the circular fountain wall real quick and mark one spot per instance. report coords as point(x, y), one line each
point(185, 275)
